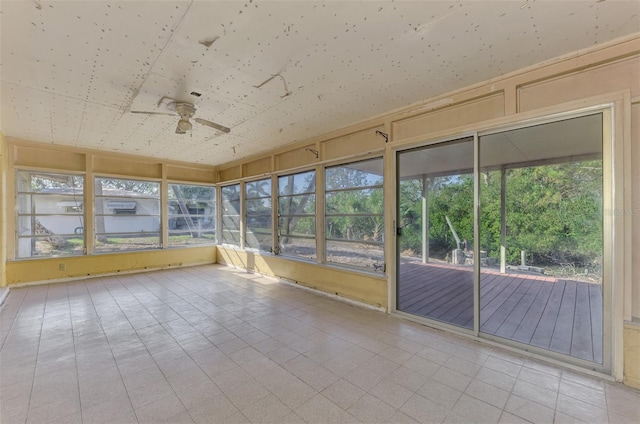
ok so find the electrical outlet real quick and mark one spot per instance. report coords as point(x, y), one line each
point(62, 267)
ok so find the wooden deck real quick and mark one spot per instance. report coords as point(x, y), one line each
point(559, 315)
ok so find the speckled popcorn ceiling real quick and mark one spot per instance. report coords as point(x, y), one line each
point(274, 72)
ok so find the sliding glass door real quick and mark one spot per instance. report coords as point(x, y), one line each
point(503, 234)
point(435, 228)
point(541, 236)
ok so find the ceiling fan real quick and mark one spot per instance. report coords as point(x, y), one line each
point(185, 111)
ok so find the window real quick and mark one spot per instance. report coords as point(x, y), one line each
point(50, 221)
point(127, 215)
point(354, 214)
point(231, 215)
point(258, 215)
point(192, 213)
point(297, 214)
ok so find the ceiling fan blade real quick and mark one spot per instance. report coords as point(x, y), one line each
point(212, 125)
point(153, 113)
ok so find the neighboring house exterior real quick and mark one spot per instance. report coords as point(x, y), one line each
point(60, 212)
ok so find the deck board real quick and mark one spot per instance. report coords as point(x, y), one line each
point(581, 343)
point(511, 323)
point(432, 297)
point(595, 301)
point(560, 315)
point(502, 310)
point(562, 331)
point(530, 322)
point(544, 331)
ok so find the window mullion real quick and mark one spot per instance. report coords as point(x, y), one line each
point(164, 209)
point(88, 210)
point(320, 218)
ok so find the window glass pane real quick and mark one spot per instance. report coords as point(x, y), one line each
point(47, 246)
point(354, 215)
point(192, 213)
point(541, 236)
point(356, 228)
point(127, 215)
point(55, 204)
point(258, 207)
point(297, 226)
point(259, 238)
point(296, 215)
point(230, 237)
point(299, 247)
point(231, 222)
point(304, 182)
point(115, 242)
point(258, 215)
point(358, 174)
point(231, 215)
point(354, 254)
point(435, 232)
point(50, 218)
point(304, 204)
point(359, 201)
point(258, 189)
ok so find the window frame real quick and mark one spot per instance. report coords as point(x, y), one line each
point(239, 215)
point(313, 216)
point(245, 214)
point(78, 199)
point(381, 267)
point(159, 216)
point(213, 216)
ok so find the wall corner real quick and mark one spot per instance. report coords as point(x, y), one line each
point(632, 354)
point(4, 166)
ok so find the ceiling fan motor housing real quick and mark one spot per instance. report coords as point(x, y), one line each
point(185, 110)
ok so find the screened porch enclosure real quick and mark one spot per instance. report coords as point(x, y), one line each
point(534, 248)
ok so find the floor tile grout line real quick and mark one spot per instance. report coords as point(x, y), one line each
point(196, 330)
point(110, 349)
point(35, 368)
point(144, 292)
point(297, 377)
point(75, 353)
point(13, 319)
point(156, 363)
point(504, 409)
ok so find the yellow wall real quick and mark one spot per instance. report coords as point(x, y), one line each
point(632, 354)
point(52, 269)
point(28, 155)
point(4, 165)
point(357, 286)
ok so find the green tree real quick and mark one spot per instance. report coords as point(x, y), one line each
point(553, 212)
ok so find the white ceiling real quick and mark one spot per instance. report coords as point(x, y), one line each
point(72, 71)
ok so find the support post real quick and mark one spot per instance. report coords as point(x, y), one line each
point(425, 219)
point(503, 220)
point(4, 208)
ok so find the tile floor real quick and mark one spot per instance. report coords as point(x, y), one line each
point(214, 345)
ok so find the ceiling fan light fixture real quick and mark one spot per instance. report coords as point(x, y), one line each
point(183, 126)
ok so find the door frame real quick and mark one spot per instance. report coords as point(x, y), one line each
point(615, 109)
